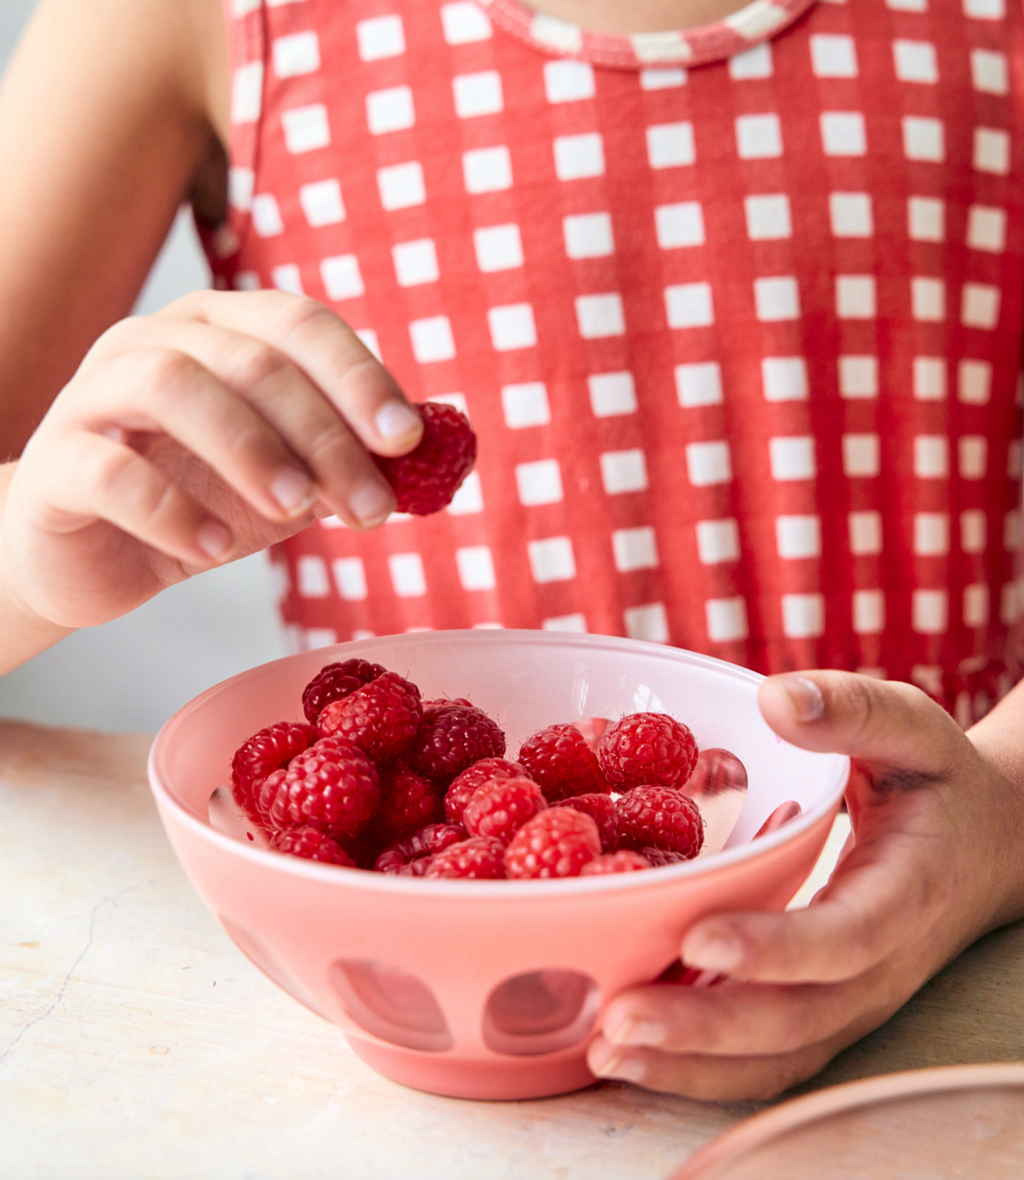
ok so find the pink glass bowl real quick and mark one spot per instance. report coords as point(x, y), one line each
point(489, 989)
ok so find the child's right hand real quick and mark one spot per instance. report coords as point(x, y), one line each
point(191, 437)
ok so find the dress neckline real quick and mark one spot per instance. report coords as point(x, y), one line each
point(748, 26)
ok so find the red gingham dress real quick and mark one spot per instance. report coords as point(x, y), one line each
point(735, 312)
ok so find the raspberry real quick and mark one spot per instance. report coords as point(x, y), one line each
point(435, 704)
point(335, 681)
point(364, 848)
point(418, 847)
point(452, 738)
point(501, 806)
point(417, 867)
point(623, 861)
point(408, 801)
point(647, 748)
point(659, 857)
point(661, 817)
point(559, 758)
point(602, 810)
point(311, 844)
point(557, 842)
point(462, 786)
point(332, 786)
point(381, 717)
point(257, 756)
point(426, 479)
point(479, 857)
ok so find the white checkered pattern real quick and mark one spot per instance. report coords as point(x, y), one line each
point(743, 365)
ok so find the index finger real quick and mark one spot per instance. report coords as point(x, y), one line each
point(320, 343)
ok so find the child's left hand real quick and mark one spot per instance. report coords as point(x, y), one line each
point(935, 861)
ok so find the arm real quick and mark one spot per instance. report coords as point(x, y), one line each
point(937, 861)
point(151, 448)
point(104, 132)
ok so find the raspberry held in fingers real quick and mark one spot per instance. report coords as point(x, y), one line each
point(426, 479)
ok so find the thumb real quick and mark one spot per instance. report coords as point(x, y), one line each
point(899, 739)
point(890, 727)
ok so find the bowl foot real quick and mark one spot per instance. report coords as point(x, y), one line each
point(452, 1077)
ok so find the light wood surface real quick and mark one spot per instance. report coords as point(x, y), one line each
point(136, 1040)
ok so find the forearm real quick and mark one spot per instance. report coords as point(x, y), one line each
point(23, 634)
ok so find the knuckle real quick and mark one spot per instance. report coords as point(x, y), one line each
point(254, 363)
point(874, 708)
point(860, 705)
point(161, 371)
point(361, 374)
point(792, 1029)
point(117, 337)
point(159, 503)
point(334, 448)
point(193, 305)
point(859, 950)
point(106, 470)
point(300, 314)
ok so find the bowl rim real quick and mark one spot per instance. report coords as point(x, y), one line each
point(562, 887)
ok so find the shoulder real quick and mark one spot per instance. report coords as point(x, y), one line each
point(146, 53)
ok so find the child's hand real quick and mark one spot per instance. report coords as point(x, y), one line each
point(191, 437)
point(936, 861)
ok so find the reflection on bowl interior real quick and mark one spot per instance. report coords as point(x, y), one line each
point(719, 785)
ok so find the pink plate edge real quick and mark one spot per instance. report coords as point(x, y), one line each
point(759, 1129)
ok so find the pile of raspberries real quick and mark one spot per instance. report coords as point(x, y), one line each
point(378, 778)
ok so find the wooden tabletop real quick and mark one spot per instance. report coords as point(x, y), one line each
point(136, 1040)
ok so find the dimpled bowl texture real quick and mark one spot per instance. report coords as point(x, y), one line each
point(488, 989)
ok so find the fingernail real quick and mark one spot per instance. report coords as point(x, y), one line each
point(608, 1062)
point(294, 491)
point(371, 503)
point(712, 952)
point(619, 1033)
point(396, 420)
point(635, 1032)
point(214, 539)
point(805, 697)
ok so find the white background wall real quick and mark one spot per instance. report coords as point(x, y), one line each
point(131, 674)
